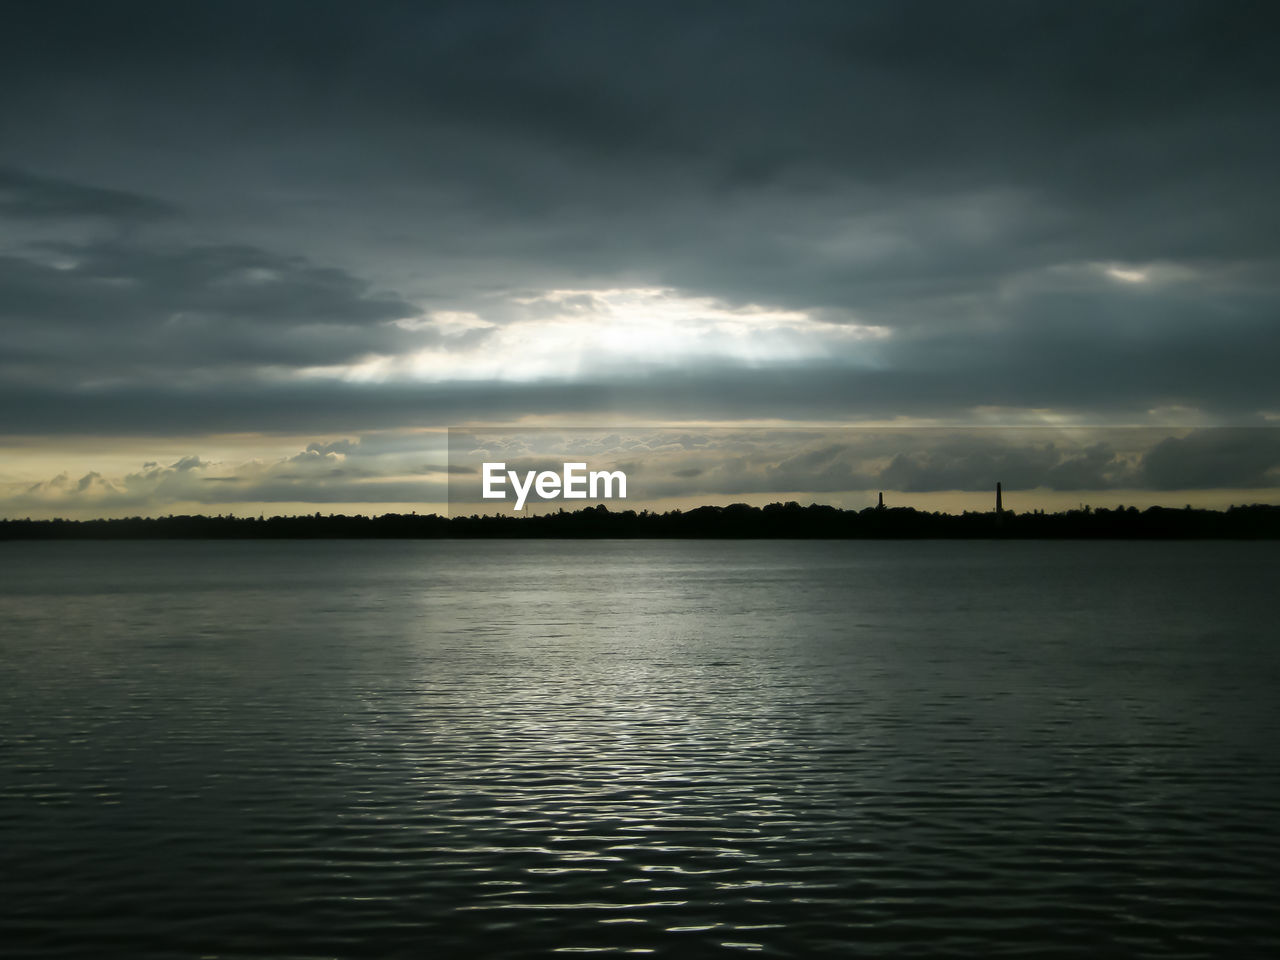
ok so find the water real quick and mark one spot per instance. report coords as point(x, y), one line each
point(484, 749)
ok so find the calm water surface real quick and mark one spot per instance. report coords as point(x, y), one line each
point(483, 749)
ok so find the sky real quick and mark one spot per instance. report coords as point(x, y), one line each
point(260, 257)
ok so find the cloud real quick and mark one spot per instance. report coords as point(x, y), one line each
point(129, 311)
point(731, 461)
point(415, 215)
point(719, 463)
point(310, 477)
point(713, 392)
point(967, 463)
point(1214, 458)
point(27, 196)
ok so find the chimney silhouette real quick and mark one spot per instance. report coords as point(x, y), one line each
point(880, 505)
point(999, 502)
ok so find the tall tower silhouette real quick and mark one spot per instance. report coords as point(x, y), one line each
point(880, 505)
point(999, 502)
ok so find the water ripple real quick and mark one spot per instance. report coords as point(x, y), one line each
point(657, 749)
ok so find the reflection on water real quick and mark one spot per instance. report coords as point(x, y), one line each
point(682, 749)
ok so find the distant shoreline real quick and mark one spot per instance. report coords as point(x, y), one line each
point(778, 521)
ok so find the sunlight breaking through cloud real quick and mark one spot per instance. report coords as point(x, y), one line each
point(567, 332)
point(1127, 276)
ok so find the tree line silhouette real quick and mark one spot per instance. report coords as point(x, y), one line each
point(736, 521)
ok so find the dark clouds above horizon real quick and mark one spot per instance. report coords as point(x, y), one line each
point(318, 218)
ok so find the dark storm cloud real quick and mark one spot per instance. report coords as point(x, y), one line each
point(1207, 458)
point(961, 175)
point(108, 307)
point(27, 196)
point(715, 393)
point(969, 463)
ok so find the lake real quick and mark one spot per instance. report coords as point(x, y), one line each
point(667, 748)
